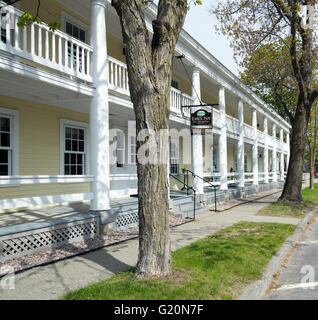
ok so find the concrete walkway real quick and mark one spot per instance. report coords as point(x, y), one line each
point(54, 280)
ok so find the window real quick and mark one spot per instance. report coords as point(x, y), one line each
point(77, 30)
point(9, 143)
point(245, 163)
point(74, 148)
point(133, 150)
point(174, 156)
point(175, 83)
point(12, 20)
point(5, 146)
point(215, 159)
point(120, 149)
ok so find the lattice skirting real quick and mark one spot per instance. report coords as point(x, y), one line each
point(20, 244)
point(250, 190)
point(126, 220)
point(263, 188)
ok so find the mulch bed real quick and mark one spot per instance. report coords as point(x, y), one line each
point(68, 250)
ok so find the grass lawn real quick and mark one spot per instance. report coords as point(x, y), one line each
point(216, 267)
point(289, 210)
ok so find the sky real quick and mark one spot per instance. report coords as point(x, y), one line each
point(200, 24)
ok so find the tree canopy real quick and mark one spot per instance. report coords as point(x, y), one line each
point(276, 42)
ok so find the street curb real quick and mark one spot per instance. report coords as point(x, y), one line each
point(257, 290)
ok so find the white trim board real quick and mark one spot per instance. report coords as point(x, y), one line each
point(15, 181)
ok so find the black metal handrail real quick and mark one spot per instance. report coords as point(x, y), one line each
point(212, 185)
point(188, 187)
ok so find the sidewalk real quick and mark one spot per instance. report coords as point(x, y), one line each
point(54, 280)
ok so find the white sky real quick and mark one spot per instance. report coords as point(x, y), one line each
point(199, 24)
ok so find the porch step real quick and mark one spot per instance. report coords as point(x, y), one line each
point(184, 207)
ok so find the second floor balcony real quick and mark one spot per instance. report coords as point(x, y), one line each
point(63, 56)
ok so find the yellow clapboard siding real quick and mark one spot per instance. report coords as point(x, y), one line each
point(39, 149)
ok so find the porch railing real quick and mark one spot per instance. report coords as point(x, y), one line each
point(178, 99)
point(232, 124)
point(261, 176)
point(36, 43)
point(248, 131)
point(214, 177)
point(118, 76)
point(232, 177)
point(248, 177)
point(261, 136)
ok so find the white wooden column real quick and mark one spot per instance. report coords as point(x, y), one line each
point(99, 115)
point(197, 141)
point(274, 154)
point(265, 150)
point(288, 146)
point(240, 144)
point(281, 136)
point(222, 141)
point(255, 148)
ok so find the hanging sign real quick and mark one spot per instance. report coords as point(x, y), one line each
point(201, 118)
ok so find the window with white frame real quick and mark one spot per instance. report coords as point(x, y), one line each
point(9, 142)
point(5, 145)
point(133, 150)
point(4, 13)
point(77, 30)
point(120, 149)
point(74, 148)
point(175, 83)
point(174, 156)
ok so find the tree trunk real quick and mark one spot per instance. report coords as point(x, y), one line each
point(293, 185)
point(149, 65)
point(311, 166)
point(153, 198)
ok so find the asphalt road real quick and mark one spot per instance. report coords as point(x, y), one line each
point(298, 279)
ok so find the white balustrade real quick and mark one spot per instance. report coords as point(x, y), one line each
point(248, 177)
point(261, 176)
point(270, 176)
point(175, 101)
point(118, 76)
point(186, 101)
point(232, 124)
point(277, 143)
point(178, 99)
point(232, 177)
point(270, 140)
point(36, 43)
point(216, 118)
point(261, 136)
point(285, 147)
point(248, 131)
